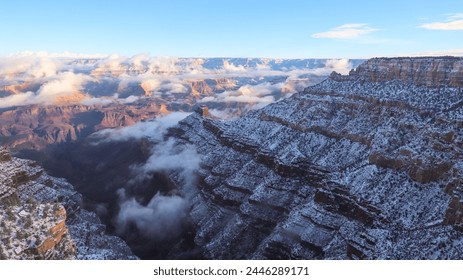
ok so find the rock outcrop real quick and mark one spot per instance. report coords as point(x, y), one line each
point(427, 71)
point(36, 126)
point(41, 218)
point(364, 166)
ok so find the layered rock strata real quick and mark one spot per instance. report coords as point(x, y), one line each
point(41, 218)
point(364, 166)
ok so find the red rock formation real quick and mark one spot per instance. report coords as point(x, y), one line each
point(200, 88)
point(56, 233)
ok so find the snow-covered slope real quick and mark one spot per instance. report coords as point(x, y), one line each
point(41, 218)
point(361, 166)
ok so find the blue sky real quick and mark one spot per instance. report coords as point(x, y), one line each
point(234, 28)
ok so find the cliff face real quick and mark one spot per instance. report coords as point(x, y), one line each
point(361, 166)
point(38, 126)
point(428, 71)
point(41, 218)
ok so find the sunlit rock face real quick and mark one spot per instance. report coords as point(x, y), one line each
point(360, 166)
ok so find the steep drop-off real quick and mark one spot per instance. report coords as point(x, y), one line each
point(365, 166)
point(41, 217)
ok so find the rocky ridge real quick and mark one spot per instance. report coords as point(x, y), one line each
point(35, 127)
point(364, 166)
point(41, 218)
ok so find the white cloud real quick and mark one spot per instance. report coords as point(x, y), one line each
point(228, 113)
point(346, 31)
point(453, 22)
point(138, 62)
point(230, 67)
point(342, 66)
point(168, 155)
point(164, 65)
point(261, 93)
point(129, 99)
point(97, 101)
point(66, 83)
point(160, 219)
point(174, 87)
point(62, 87)
point(150, 85)
point(456, 16)
point(21, 99)
point(39, 65)
point(164, 216)
point(450, 25)
point(264, 93)
point(153, 130)
point(55, 76)
point(27, 66)
point(112, 65)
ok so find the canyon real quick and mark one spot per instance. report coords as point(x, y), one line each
point(365, 164)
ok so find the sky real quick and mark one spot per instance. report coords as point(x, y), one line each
point(234, 28)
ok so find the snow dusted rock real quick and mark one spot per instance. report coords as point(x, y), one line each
point(365, 166)
point(428, 71)
point(41, 218)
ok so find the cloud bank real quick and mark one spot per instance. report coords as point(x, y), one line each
point(95, 80)
point(60, 88)
point(265, 93)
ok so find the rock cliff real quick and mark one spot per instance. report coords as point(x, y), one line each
point(35, 127)
point(41, 218)
point(428, 71)
point(363, 166)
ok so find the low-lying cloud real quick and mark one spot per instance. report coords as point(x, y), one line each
point(62, 87)
point(27, 66)
point(42, 78)
point(164, 216)
point(153, 130)
point(261, 93)
point(169, 155)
